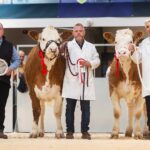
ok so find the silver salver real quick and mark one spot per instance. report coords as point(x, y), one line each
point(3, 67)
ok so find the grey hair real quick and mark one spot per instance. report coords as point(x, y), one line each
point(79, 24)
point(146, 21)
point(1, 25)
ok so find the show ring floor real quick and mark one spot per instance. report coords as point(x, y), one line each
point(100, 141)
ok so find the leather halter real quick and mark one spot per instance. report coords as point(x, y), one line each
point(42, 55)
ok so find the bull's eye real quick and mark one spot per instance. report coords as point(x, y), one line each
point(115, 42)
point(59, 41)
point(43, 39)
point(131, 42)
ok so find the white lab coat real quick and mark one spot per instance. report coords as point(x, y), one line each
point(143, 56)
point(72, 88)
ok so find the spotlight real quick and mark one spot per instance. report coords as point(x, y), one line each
point(81, 1)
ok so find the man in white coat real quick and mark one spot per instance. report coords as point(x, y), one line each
point(79, 81)
point(142, 55)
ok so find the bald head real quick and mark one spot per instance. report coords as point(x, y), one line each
point(21, 55)
point(147, 21)
point(21, 52)
point(147, 26)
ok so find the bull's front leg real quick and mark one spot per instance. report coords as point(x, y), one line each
point(41, 119)
point(58, 113)
point(138, 113)
point(117, 112)
point(36, 113)
point(129, 129)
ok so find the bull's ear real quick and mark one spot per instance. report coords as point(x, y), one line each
point(138, 36)
point(65, 35)
point(108, 36)
point(33, 34)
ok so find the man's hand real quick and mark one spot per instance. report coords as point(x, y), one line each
point(85, 63)
point(9, 71)
point(131, 47)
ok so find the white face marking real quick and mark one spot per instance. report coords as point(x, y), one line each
point(49, 34)
point(122, 39)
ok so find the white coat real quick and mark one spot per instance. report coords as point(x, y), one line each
point(72, 88)
point(143, 56)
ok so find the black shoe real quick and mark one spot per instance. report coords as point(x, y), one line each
point(86, 135)
point(69, 135)
point(3, 136)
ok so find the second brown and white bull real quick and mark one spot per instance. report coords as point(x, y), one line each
point(124, 83)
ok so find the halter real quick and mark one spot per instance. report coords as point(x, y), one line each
point(48, 43)
point(42, 55)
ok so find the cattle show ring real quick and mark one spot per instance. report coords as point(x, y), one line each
point(35, 118)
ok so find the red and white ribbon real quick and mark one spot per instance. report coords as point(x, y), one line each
point(81, 70)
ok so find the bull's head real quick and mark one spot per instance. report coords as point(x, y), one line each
point(121, 40)
point(49, 40)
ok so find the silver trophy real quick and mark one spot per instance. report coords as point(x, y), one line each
point(3, 67)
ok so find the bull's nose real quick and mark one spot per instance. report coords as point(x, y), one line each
point(122, 53)
point(53, 50)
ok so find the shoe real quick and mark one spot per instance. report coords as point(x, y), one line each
point(69, 135)
point(86, 135)
point(3, 136)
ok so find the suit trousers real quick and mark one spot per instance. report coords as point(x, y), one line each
point(85, 116)
point(4, 92)
point(147, 98)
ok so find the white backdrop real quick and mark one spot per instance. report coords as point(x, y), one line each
point(8, 116)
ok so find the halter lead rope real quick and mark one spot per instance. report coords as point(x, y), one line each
point(138, 68)
point(81, 71)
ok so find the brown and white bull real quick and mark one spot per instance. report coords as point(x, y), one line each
point(44, 73)
point(124, 83)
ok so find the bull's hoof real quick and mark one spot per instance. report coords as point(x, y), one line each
point(41, 134)
point(33, 135)
point(128, 133)
point(138, 136)
point(114, 136)
point(59, 135)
